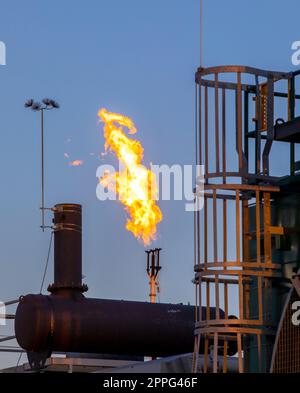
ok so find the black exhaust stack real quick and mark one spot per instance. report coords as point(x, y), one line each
point(67, 250)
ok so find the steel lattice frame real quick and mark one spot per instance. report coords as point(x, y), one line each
point(232, 192)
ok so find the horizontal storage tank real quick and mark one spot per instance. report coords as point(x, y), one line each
point(67, 321)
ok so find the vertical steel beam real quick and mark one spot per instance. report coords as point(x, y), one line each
point(215, 353)
point(257, 225)
point(206, 128)
point(207, 300)
point(205, 232)
point(239, 138)
point(267, 224)
point(259, 352)
point(246, 129)
point(238, 234)
point(217, 123)
point(258, 129)
point(291, 116)
point(270, 126)
point(224, 134)
point(240, 355)
point(215, 226)
point(217, 296)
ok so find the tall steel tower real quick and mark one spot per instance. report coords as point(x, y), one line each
point(247, 234)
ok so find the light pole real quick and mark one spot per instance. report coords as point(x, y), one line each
point(46, 105)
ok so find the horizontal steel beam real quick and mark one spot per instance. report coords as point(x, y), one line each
point(10, 302)
point(245, 70)
point(7, 338)
point(7, 316)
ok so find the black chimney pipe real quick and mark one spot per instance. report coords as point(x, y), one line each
point(67, 249)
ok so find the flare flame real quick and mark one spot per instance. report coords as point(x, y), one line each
point(136, 185)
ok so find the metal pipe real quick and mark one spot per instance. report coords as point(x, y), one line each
point(7, 338)
point(43, 170)
point(62, 324)
point(7, 316)
point(67, 249)
point(10, 302)
point(66, 321)
point(152, 294)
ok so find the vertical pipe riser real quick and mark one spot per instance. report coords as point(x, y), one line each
point(67, 248)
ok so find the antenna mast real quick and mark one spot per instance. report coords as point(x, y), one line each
point(201, 33)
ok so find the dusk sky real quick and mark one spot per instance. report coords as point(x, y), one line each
point(132, 57)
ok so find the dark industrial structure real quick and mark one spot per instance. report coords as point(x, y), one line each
point(67, 321)
point(247, 236)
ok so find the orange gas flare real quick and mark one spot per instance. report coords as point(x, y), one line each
point(135, 185)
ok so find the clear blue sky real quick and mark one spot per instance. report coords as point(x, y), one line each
point(134, 57)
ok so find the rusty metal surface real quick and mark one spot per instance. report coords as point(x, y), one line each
point(66, 321)
point(244, 69)
point(67, 248)
point(286, 353)
point(232, 186)
point(105, 326)
point(288, 131)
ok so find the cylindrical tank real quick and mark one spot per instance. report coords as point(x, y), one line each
point(67, 321)
point(58, 323)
